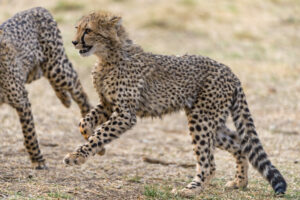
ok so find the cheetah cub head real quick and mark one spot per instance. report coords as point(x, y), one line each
point(97, 33)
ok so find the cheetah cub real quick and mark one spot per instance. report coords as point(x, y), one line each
point(31, 47)
point(131, 83)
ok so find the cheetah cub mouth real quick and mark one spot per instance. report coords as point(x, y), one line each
point(86, 51)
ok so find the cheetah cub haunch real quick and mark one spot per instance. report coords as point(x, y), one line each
point(31, 46)
point(131, 83)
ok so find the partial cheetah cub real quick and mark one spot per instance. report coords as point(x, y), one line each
point(30, 47)
point(131, 83)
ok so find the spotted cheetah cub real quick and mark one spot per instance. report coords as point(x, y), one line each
point(131, 83)
point(31, 47)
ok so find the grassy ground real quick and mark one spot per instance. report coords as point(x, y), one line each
point(260, 40)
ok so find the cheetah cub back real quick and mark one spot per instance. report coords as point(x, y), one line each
point(131, 82)
point(32, 47)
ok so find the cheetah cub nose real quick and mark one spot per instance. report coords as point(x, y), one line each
point(75, 42)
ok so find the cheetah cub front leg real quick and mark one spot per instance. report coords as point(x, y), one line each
point(118, 123)
point(95, 117)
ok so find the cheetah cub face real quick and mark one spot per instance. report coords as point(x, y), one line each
point(95, 34)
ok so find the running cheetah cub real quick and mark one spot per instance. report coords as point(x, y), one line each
point(131, 83)
point(31, 47)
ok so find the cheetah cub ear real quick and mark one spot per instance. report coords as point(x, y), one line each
point(116, 21)
point(115, 24)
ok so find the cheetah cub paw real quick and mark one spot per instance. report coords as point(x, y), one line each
point(235, 184)
point(74, 159)
point(39, 165)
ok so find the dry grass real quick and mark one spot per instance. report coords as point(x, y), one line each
point(260, 41)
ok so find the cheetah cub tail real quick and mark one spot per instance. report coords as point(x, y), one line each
point(251, 145)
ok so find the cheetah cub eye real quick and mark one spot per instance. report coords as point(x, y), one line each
point(87, 31)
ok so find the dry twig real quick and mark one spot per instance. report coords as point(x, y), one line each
point(161, 162)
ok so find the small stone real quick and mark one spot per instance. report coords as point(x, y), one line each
point(118, 187)
point(190, 176)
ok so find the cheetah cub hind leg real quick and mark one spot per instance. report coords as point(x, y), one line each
point(64, 97)
point(228, 140)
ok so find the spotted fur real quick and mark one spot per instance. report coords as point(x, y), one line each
point(131, 82)
point(31, 47)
